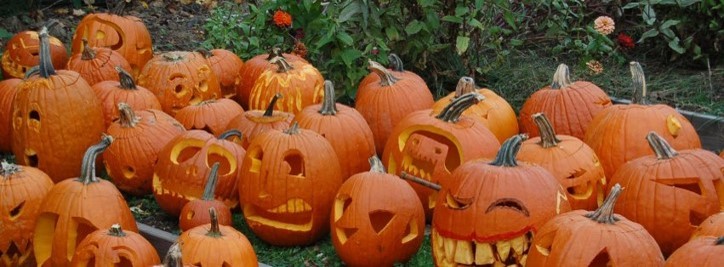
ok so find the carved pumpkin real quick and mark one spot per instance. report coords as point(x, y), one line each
point(97, 64)
point(227, 67)
point(56, 116)
point(600, 238)
point(713, 226)
point(22, 190)
point(252, 123)
point(216, 245)
point(570, 106)
point(126, 35)
point(179, 79)
point(8, 89)
point(570, 160)
point(211, 115)
point(22, 52)
point(385, 102)
point(114, 247)
point(344, 128)
point(377, 219)
point(112, 93)
point(74, 208)
point(299, 82)
point(615, 133)
point(184, 165)
point(671, 193)
point(707, 251)
point(254, 67)
point(494, 112)
point(490, 210)
point(195, 212)
point(432, 147)
point(139, 137)
point(288, 182)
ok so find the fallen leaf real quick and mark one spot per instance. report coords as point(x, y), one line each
point(78, 12)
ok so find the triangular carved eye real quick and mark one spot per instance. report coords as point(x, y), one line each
point(15, 212)
point(602, 259)
point(380, 219)
point(457, 203)
point(692, 184)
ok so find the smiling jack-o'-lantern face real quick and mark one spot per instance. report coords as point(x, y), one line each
point(184, 165)
point(490, 210)
point(288, 184)
point(23, 52)
point(115, 247)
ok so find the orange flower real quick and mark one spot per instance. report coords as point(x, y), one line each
point(604, 25)
point(282, 19)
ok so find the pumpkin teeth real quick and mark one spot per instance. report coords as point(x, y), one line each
point(452, 252)
point(484, 254)
point(464, 252)
point(295, 205)
point(503, 248)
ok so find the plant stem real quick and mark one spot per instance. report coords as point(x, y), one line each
point(214, 231)
point(210, 187)
point(386, 77)
point(125, 79)
point(376, 164)
point(88, 166)
point(88, 52)
point(270, 109)
point(562, 78)
point(46, 64)
point(639, 84)
point(452, 112)
point(127, 117)
point(116, 230)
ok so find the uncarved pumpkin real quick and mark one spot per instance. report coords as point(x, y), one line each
point(712, 226)
point(195, 212)
point(111, 93)
point(216, 245)
point(706, 251)
point(97, 64)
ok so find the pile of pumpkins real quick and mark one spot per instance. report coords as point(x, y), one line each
point(572, 181)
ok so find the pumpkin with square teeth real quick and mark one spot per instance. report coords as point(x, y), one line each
point(671, 192)
point(287, 186)
point(713, 226)
point(570, 160)
point(490, 210)
point(377, 219)
point(114, 247)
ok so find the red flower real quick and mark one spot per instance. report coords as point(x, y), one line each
point(625, 41)
point(282, 19)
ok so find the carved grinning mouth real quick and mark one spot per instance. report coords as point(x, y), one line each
point(452, 252)
point(423, 169)
point(295, 215)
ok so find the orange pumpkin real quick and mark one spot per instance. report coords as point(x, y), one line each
point(112, 93)
point(216, 245)
point(253, 68)
point(706, 251)
point(194, 213)
point(211, 115)
point(97, 64)
point(227, 67)
point(300, 83)
point(22, 190)
point(22, 52)
point(56, 116)
point(252, 123)
point(570, 106)
point(494, 112)
point(179, 79)
point(8, 89)
point(712, 226)
point(114, 247)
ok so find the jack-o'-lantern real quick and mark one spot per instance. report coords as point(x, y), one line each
point(74, 208)
point(126, 35)
point(227, 67)
point(179, 79)
point(56, 116)
point(114, 247)
point(570, 160)
point(432, 146)
point(125, 90)
point(671, 192)
point(254, 67)
point(22, 52)
point(184, 165)
point(707, 251)
point(212, 244)
point(494, 112)
point(194, 213)
point(252, 123)
point(490, 210)
point(714, 226)
point(97, 64)
point(8, 89)
point(211, 115)
point(300, 83)
point(22, 190)
point(287, 185)
point(377, 219)
point(594, 238)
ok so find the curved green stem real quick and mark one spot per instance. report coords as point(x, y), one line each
point(7, 169)
point(329, 106)
point(214, 231)
point(46, 64)
point(562, 78)
point(508, 151)
point(639, 84)
point(230, 133)
point(88, 52)
point(213, 178)
point(548, 136)
point(283, 65)
point(386, 77)
point(659, 145)
point(116, 231)
point(396, 63)
point(88, 166)
point(376, 165)
point(604, 214)
point(452, 112)
point(293, 129)
point(125, 79)
point(270, 109)
point(126, 116)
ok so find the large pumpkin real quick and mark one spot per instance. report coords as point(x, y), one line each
point(74, 208)
point(211, 115)
point(254, 67)
point(377, 219)
point(671, 193)
point(300, 83)
point(616, 132)
point(433, 146)
point(56, 116)
point(111, 93)
point(287, 186)
point(22, 190)
point(212, 244)
point(8, 89)
point(252, 123)
point(97, 64)
point(22, 52)
point(491, 209)
point(706, 251)
point(114, 247)
point(570, 106)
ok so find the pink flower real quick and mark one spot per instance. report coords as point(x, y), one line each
point(595, 67)
point(604, 25)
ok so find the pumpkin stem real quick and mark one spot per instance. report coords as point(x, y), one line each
point(719, 241)
point(548, 136)
point(420, 181)
point(32, 71)
point(125, 79)
point(452, 112)
point(562, 77)
point(116, 231)
point(376, 164)
point(283, 65)
point(386, 77)
point(173, 256)
point(127, 117)
point(465, 85)
point(88, 166)
point(46, 64)
point(604, 214)
point(205, 52)
point(329, 106)
point(659, 145)
point(172, 56)
point(270, 109)
point(230, 133)
point(294, 129)
point(88, 52)
point(395, 62)
point(214, 231)
point(508, 151)
point(7, 169)
point(210, 188)
point(274, 52)
point(639, 84)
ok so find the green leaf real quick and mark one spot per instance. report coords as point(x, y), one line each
point(414, 27)
point(461, 11)
point(426, 3)
point(668, 23)
point(676, 46)
point(648, 34)
point(452, 19)
point(510, 19)
point(349, 11)
point(516, 42)
point(649, 15)
point(345, 38)
point(348, 56)
point(392, 33)
point(476, 23)
point(461, 44)
point(632, 5)
point(685, 3)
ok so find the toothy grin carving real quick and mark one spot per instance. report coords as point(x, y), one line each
point(453, 252)
point(295, 215)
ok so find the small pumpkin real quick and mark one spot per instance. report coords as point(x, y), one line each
point(8, 89)
point(22, 52)
point(254, 67)
point(227, 67)
point(213, 244)
point(97, 64)
point(707, 251)
point(300, 83)
point(114, 247)
point(711, 226)
point(252, 123)
point(194, 212)
point(111, 93)
point(211, 115)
